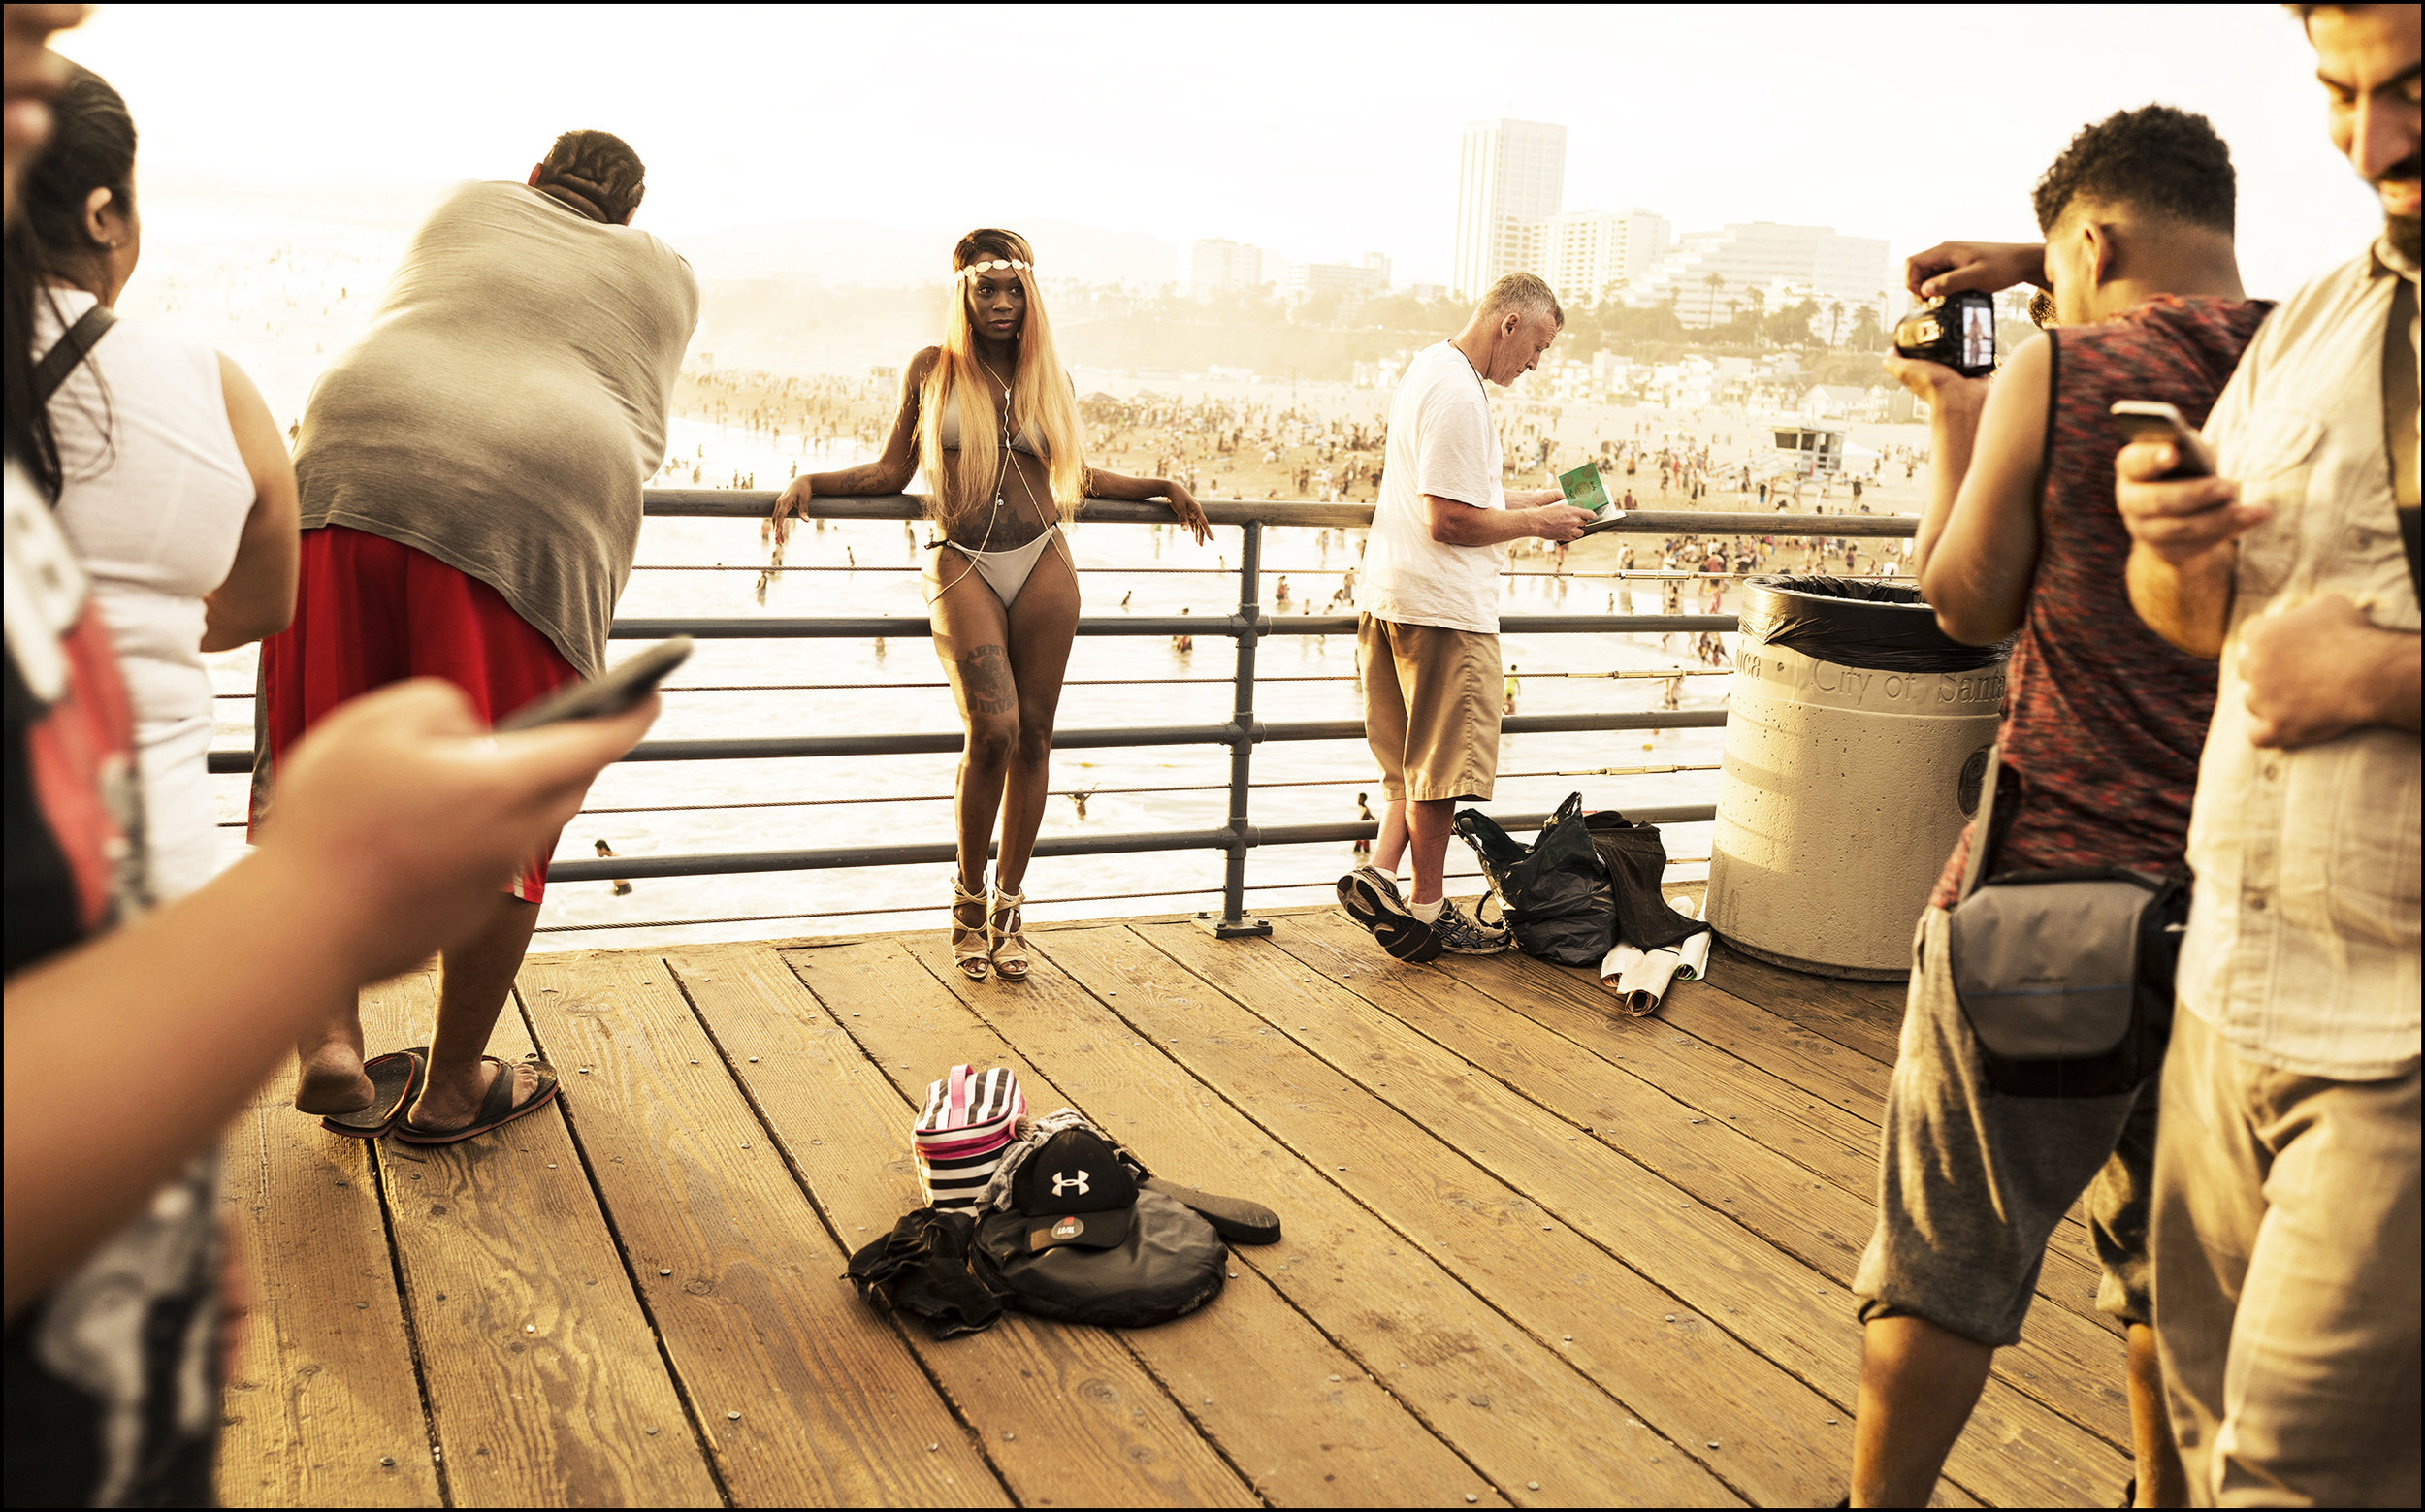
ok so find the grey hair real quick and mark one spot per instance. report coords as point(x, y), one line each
point(1524, 294)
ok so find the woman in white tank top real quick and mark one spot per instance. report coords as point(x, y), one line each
point(173, 485)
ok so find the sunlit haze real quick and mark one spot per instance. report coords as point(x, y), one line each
point(1318, 134)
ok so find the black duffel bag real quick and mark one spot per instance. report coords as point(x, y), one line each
point(1170, 1264)
point(1554, 893)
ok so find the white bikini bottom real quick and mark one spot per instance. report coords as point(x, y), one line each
point(1006, 571)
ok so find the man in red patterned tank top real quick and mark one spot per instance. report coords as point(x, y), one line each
point(2102, 729)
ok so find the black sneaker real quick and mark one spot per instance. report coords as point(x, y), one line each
point(1371, 900)
point(1460, 935)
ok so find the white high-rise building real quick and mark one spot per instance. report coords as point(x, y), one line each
point(1586, 254)
point(1511, 177)
point(1766, 256)
point(1222, 265)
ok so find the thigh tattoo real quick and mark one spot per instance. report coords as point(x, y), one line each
point(986, 682)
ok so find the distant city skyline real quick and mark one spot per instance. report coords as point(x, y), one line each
point(1205, 123)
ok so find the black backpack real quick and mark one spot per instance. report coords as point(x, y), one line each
point(1171, 1264)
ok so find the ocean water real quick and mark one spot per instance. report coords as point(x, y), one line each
point(709, 568)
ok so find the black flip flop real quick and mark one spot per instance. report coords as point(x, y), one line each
point(496, 1109)
point(1404, 936)
point(1233, 1218)
point(395, 1080)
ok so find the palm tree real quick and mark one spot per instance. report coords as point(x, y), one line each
point(1836, 318)
point(1760, 308)
point(1866, 331)
point(1716, 281)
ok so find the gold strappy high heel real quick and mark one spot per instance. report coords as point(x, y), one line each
point(1010, 951)
point(971, 944)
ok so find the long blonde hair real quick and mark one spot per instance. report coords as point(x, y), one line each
point(1041, 400)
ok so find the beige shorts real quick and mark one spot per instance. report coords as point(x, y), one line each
point(2286, 1279)
point(1431, 702)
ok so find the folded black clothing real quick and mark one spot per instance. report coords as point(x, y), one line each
point(921, 1268)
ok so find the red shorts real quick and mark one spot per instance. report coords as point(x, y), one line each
point(370, 611)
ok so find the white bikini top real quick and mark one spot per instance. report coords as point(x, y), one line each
point(947, 431)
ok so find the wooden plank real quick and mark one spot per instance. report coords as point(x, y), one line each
point(1341, 1446)
point(543, 1377)
point(834, 1409)
point(1829, 1141)
point(1866, 1016)
point(1818, 1222)
point(2065, 1359)
point(1680, 1379)
point(1065, 1414)
point(1826, 1223)
point(322, 1389)
point(1514, 1410)
point(1775, 1305)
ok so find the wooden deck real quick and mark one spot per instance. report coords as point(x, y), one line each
point(1534, 1254)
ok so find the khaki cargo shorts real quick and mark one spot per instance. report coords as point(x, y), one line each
point(1432, 701)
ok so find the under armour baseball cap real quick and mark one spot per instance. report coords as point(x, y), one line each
point(1073, 1190)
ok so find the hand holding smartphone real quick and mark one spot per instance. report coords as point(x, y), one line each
point(2153, 420)
point(624, 685)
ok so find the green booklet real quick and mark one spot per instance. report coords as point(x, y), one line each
point(1583, 488)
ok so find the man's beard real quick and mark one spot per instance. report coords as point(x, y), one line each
point(2401, 230)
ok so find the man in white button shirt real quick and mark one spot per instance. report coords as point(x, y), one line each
point(2286, 1204)
point(1428, 643)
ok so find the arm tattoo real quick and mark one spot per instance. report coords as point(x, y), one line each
point(986, 682)
point(850, 482)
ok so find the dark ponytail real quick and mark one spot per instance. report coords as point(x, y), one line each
point(91, 146)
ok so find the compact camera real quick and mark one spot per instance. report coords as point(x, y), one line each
point(1954, 329)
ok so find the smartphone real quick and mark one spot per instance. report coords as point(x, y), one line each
point(2154, 420)
point(625, 684)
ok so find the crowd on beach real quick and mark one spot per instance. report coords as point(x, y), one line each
point(2212, 706)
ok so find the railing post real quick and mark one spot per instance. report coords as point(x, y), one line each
point(1233, 920)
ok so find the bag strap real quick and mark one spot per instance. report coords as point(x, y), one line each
point(1983, 826)
point(955, 1101)
point(2399, 419)
point(71, 348)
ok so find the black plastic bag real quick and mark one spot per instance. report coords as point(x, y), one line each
point(1554, 893)
point(1636, 859)
point(1857, 622)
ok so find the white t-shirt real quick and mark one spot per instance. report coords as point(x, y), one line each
point(1441, 443)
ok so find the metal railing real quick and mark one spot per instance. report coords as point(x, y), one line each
point(1248, 625)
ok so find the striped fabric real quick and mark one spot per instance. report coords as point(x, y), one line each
point(970, 1118)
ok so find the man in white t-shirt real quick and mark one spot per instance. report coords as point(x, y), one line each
point(1427, 645)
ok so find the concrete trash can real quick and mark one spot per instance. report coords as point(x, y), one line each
point(1857, 743)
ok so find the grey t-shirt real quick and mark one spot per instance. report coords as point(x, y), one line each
point(507, 403)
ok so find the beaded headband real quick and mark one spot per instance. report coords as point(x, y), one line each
point(974, 269)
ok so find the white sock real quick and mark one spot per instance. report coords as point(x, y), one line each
point(1429, 913)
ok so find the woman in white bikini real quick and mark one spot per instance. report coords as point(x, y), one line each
point(995, 416)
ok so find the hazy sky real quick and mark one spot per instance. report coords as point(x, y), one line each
point(1319, 132)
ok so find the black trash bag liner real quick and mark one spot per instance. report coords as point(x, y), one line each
point(1636, 859)
point(1171, 1264)
point(1857, 622)
point(922, 1268)
point(1553, 893)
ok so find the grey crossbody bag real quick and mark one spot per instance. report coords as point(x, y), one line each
point(2065, 976)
